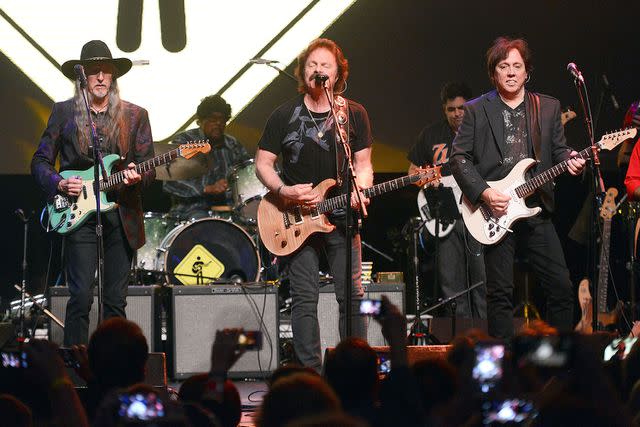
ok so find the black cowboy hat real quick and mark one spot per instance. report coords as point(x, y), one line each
point(96, 51)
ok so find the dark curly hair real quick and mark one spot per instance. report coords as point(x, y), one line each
point(452, 90)
point(213, 104)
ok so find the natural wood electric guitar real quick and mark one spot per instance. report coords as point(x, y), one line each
point(284, 225)
point(489, 229)
point(607, 211)
point(66, 213)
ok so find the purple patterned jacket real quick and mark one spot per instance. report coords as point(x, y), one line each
point(60, 138)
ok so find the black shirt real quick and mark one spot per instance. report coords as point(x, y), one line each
point(433, 146)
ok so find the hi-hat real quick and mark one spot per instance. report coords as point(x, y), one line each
point(180, 168)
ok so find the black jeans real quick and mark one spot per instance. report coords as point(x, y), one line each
point(460, 265)
point(80, 267)
point(541, 245)
point(304, 267)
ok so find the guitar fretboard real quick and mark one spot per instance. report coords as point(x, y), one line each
point(395, 184)
point(539, 180)
point(118, 177)
point(603, 270)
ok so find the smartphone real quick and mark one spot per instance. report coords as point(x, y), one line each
point(250, 340)
point(488, 367)
point(384, 364)
point(620, 347)
point(553, 351)
point(511, 411)
point(140, 406)
point(14, 359)
point(67, 356)
point(371, 307)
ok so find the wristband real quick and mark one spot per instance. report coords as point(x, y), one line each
point(279, 189)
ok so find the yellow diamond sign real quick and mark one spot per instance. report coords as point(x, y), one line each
point(197, 265)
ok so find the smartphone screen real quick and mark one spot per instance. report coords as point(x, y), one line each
point(370, 307)
point(551, 351)
point(384, 364)
point(140, 406)
point(620, 347)
point(250, 340)
point(14, 359)
point(511, 411)
point(487, 370)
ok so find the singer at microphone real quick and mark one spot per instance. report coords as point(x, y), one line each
point(302, 133)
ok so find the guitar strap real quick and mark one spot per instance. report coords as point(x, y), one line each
point(342, 128)
point(534, 124)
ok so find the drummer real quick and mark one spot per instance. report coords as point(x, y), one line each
point(209, 194)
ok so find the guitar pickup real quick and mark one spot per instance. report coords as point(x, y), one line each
point(60, 202)
point(297, 215)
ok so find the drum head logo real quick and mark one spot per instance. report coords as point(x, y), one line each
point(198, 267)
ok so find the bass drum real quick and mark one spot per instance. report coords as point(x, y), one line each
point(156, 226)
point(208, 249)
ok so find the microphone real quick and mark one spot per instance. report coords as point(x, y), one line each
point(573, 69)
point(614, 101)
point(79, 70)
point(20, 213)
point(320, 78)
point(263, 61)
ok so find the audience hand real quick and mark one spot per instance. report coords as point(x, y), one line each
point(225, 351)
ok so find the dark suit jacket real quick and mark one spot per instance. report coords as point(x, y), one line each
point(479, 146)
point(60, 138)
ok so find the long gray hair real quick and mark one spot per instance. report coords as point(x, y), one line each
point(114, 130)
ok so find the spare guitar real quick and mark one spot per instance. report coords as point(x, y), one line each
point(423, 208)
point(489, 229)
point(66, 213)
point(607, 211)
point(285, 225)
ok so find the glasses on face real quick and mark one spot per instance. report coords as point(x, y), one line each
point(96, 69)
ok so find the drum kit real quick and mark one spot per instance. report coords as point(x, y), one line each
point(217, 249)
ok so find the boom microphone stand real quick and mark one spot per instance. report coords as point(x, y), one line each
point(98, 166)
point(597, 187)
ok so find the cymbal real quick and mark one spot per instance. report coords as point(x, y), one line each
point(180, 168)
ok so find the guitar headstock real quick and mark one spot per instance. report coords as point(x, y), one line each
point(427, 175)
point(608, 209)
point(192, 148)
point(612, 140)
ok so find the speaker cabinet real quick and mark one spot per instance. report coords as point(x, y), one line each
point(142, 308)
point(328, 314)
point(198, 311)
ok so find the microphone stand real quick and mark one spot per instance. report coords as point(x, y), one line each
point(97, 166)
point(597, 188)
point(23, 287)
point(350, 181)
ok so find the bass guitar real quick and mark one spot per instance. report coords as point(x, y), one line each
point(67, 213)
point(285, 225)
point(489, 229)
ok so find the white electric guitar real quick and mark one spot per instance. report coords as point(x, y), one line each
point(423, 208)
point(489, 229)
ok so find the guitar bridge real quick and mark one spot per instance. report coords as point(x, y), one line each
point(60, 202)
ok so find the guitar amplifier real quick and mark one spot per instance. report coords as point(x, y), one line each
point(328, 314)
point(143, 308)
point(198, 311)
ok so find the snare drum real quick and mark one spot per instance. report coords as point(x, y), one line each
point(156, 226)
point(196, 252)
point(247, 190)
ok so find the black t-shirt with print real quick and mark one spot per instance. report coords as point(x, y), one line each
point(433, 146)
point(306, 158)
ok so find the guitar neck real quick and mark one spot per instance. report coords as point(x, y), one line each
point(603, 271)
point(114, 179)
point(542, 178)
point(341, 201)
